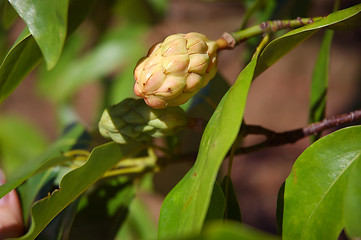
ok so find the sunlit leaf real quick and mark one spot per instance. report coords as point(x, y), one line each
point(185, 207)
point(315, 189)
point(47, 22)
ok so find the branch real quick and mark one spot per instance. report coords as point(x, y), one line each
point(230, 40)
point(277, 139)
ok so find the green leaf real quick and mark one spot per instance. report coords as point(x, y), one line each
point(319, 83)
point(232, 231)
point(47, 22)
point(9, 15)
point(352, 204)
point(54, 153)
point(30, 189)
point(184, 209)
point(101, 212)
point(217, 204)
point(25, 53)
point(279, 47)
point(20, 141)
point(315, 189)
point(20, 60)
point(76, 182)
point(233, 212)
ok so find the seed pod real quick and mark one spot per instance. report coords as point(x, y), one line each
point(133, 120)
point(175, 69)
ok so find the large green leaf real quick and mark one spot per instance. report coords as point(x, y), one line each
point(232, 231)
point(47, 22)
point(320, 81)
point(346, 18)
point(76, 182)
point(184, 209)
point(20, 60)
point(315, 189)
point(25, 53)
point(352, 206)
point(65, 143)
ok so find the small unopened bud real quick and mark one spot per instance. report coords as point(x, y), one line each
point(133, 120)
point(175, 69)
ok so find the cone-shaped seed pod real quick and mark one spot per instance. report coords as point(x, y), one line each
point(175, 69)
point(133, 120)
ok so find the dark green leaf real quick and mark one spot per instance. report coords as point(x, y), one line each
point(232, 231)
point(102, 211)
point(30, 189)
point(54, 153)
point(319, 83)
point(232, 212)
point(184, 209)
point(76, 182)
point(47, 22)
point(279, 210)
point(217, 204)
point(20, 60)
point(315, 189)
point(280, 46)
point(9, 15)
point(352, 205)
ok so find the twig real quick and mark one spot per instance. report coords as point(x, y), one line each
point(277, 139)
point(272, 138)
point(230, 40)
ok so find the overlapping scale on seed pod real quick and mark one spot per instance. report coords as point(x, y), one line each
point(133, 120)
point(175, 69)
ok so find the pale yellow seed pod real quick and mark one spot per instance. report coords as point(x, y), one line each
point(175, 69)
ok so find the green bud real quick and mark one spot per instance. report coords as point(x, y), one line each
point(133, 120)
